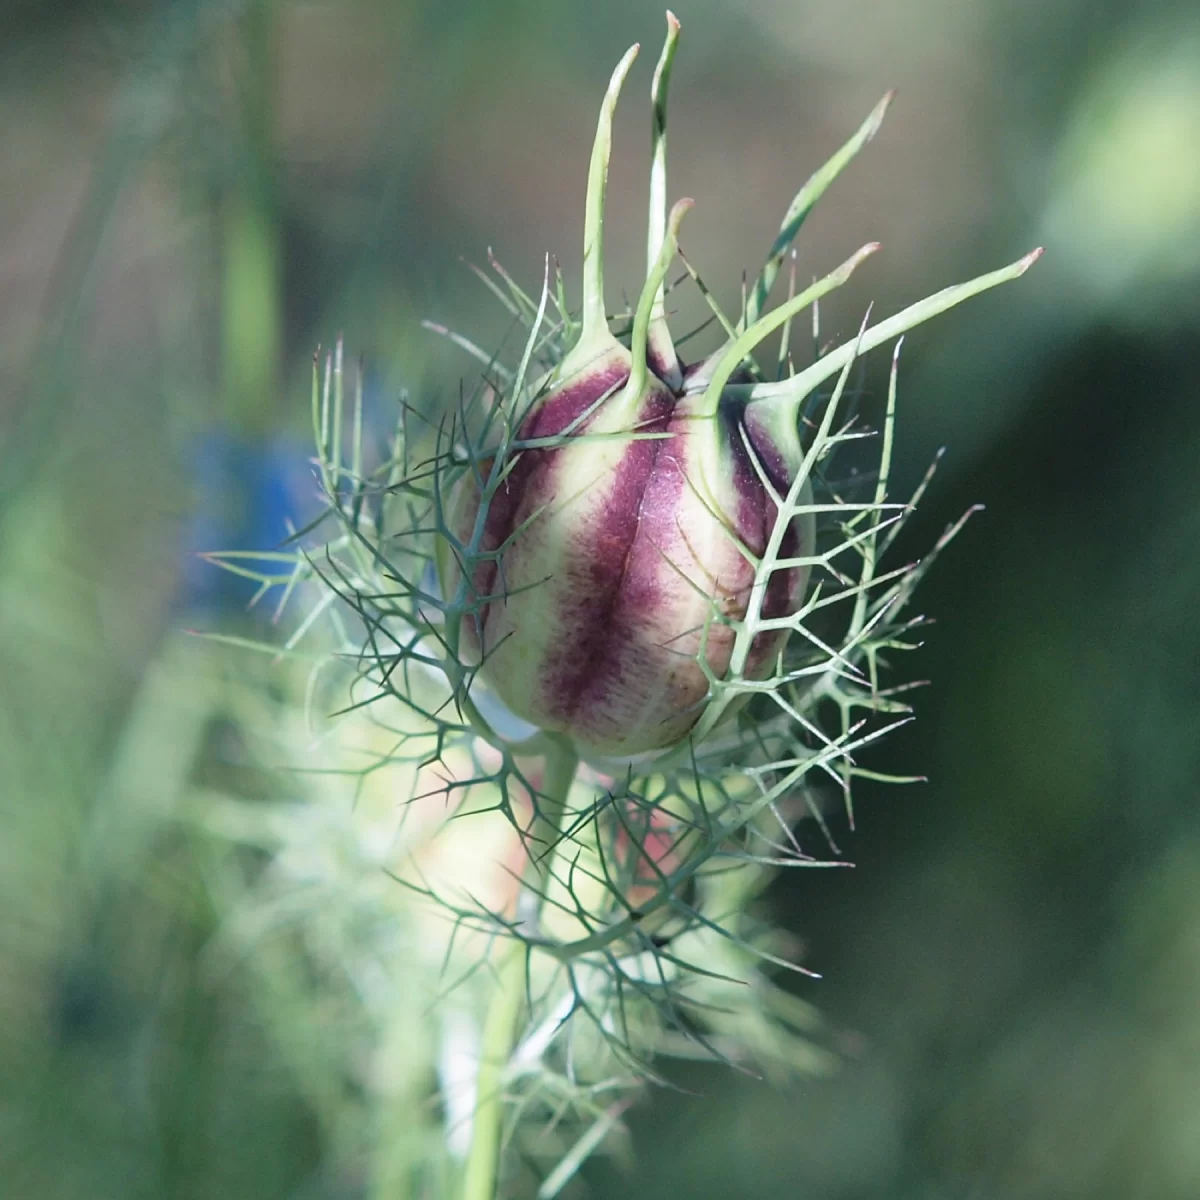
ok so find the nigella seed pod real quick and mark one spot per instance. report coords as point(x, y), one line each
point(634, 545)
point(620, 548)
point(619, 564)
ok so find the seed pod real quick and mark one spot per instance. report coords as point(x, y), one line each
point(613, 546)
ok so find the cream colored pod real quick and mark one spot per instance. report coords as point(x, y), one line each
point(633, 536)
point(612, 543)
point(620, 557)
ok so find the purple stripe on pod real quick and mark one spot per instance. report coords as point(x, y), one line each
point(528, 482)
point(595, 660)
point(624, 562)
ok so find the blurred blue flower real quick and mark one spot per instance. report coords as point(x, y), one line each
point(249, 495)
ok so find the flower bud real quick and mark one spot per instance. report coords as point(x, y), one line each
point(619, 556)
point(619, 550)
point(634, 545)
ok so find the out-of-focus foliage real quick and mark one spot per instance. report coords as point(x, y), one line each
point(1013, 963)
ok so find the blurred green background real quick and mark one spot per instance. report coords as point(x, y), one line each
point(196, 195)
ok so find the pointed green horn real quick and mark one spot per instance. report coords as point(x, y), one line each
point(595, 319)
point(741, 348)
point(797, 386)
point(647, 300)
point(803, 203)
point(659, 334)
point(658, 148)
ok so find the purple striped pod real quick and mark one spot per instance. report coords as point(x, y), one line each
point(602, 565)
point(616, 560)
point(612, 562)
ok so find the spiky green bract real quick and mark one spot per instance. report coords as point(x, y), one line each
point(603, 915)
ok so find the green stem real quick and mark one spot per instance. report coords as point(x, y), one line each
point(251, 300)
point(499, 1035)
point(500, 1028)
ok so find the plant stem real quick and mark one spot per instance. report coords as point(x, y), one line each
point(483, 1160)
point(251, 288)
point(500, 1029)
